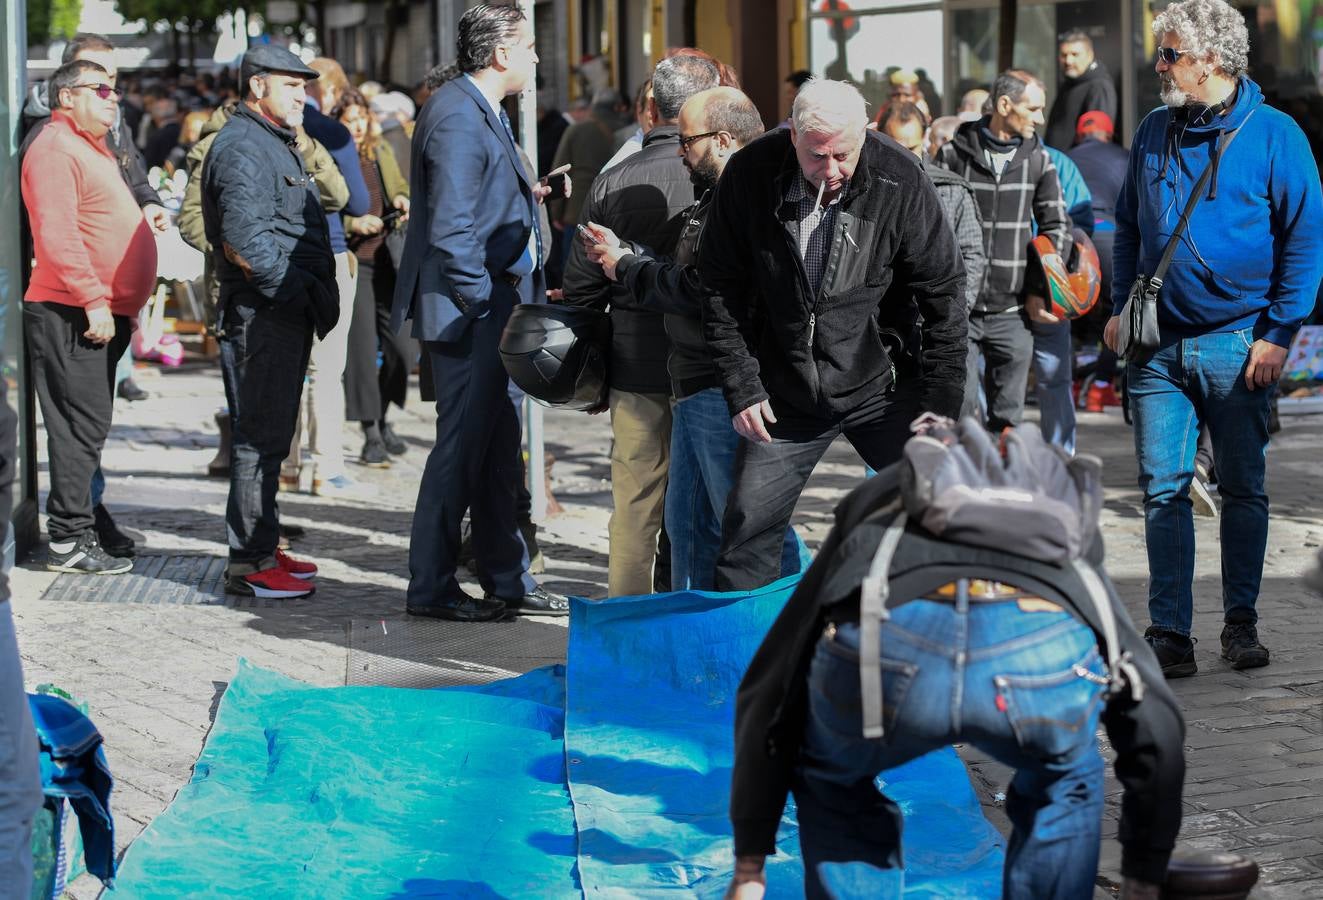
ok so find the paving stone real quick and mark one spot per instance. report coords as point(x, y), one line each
point(154, 675)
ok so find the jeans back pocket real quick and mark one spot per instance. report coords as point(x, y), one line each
point(1052, 714)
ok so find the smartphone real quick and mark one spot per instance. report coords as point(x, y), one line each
point(389, 217)
point(587, 236)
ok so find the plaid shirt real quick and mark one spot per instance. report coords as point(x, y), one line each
point(815, 225)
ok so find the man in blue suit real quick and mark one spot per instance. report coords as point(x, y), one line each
point(469, 258)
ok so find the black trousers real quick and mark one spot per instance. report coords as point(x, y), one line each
point(264, 359)
point(770, 477)
point(473, 467)
point(75, 382)
point(369, 388)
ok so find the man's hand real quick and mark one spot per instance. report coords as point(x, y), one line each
point(1111, 332)
point(608, 257)
point(100, 325)
point(749, 881)
point(368, 225)
point(555, 295)
point(1134, 889)
point(749, 423)
point(156, 216)
point(1036, 307)
point(542, 190)
point(402, 204)
point(1265, 364)
point(602, 235)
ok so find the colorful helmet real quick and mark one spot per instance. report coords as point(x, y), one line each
point(1071, 286)
point(557, 354)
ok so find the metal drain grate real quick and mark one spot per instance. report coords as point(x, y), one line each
point(425, 653)
point(185, 580)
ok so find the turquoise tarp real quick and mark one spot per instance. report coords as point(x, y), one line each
point(608, 777)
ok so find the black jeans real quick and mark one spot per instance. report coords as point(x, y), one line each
point(264, 359)
point(369, 388)
point(75, 382)
point(770, 477)
point(1007, 345)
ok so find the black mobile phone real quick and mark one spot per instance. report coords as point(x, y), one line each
point(389, 217)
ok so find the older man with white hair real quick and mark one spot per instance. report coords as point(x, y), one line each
point(810, 227)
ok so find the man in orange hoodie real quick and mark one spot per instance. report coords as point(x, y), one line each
point(95, 267)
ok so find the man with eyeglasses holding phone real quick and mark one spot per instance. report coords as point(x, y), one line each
point(1242, 278)
point(95, 268)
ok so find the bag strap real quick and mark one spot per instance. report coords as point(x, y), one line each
point(873, 596)
point(1121, 671)
point(1195, 196)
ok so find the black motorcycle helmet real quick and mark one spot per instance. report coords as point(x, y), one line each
point(557, 354)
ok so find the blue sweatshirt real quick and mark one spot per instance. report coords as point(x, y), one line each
point(1074, 190)
point(1253, 252)
point(338, 141)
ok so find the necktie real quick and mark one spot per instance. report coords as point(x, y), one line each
point(532, 254)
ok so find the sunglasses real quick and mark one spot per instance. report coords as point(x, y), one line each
point(104, 91)
point(1170, 55)
point(687, 142)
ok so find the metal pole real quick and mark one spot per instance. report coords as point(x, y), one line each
point(533, 432)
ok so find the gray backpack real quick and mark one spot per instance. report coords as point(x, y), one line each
point(1028, 498)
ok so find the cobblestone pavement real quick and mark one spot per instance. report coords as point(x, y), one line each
point(154, 674)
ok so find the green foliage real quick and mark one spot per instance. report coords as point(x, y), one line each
point(50, 20)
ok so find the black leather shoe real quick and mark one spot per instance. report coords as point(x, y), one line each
point(108, 535)
point(128, 389)
point(468, 609)
point(537, 602)
point(1241, 647)
point(1175, 652)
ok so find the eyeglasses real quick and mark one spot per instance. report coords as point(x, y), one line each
point(687, 142)
point(1170, 55)
point(104, 91)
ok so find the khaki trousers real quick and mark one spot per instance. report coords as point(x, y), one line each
point(640, 457)
point(322, 410)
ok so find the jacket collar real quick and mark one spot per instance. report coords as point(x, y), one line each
point(662, 133)
point(494, 123)
point(64, 119)
point(968, 143)
point(286, 135)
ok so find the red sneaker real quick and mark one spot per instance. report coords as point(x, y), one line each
point(296, 567)
point(1100, 397)
point(272, 584)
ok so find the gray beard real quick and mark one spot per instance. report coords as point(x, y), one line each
point(294, 119)
point(1173, 96)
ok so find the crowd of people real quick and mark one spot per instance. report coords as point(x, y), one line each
point(768, 291)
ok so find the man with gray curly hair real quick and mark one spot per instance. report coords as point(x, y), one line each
point(1242, 279)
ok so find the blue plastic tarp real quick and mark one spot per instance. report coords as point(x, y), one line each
point(608, 777)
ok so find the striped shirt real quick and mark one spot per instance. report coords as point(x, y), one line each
point(814, 225)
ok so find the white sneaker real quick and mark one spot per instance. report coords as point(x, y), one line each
point(1200, 496)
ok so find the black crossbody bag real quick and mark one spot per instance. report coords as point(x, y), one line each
point(1138, 337)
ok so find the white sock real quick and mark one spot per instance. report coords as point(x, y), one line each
point(63, 546)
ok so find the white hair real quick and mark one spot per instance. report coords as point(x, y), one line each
point(823, 106)
point(1209, 29)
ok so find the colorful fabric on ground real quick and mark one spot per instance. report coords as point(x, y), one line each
point(463, 792)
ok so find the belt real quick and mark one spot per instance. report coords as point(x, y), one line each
point(510, 278)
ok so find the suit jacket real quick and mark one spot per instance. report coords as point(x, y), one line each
point(471, 217)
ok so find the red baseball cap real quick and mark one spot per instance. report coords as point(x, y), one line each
point(1094, 120)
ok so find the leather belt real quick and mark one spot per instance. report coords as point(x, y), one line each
point(979, 590)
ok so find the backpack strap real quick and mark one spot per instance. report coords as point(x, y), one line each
point(873, 595)
point(1122, 675)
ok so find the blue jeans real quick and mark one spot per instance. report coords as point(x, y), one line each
point(1054, 369)
point(703, 446)
point(1024, 687)
point(1193, 382)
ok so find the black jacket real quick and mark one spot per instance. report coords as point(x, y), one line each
point(758, 306)
point(640, 200)
point(772, 702)
point(1092, 90)
point(264, 222)
point(1027, 191)
point(671, 286)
